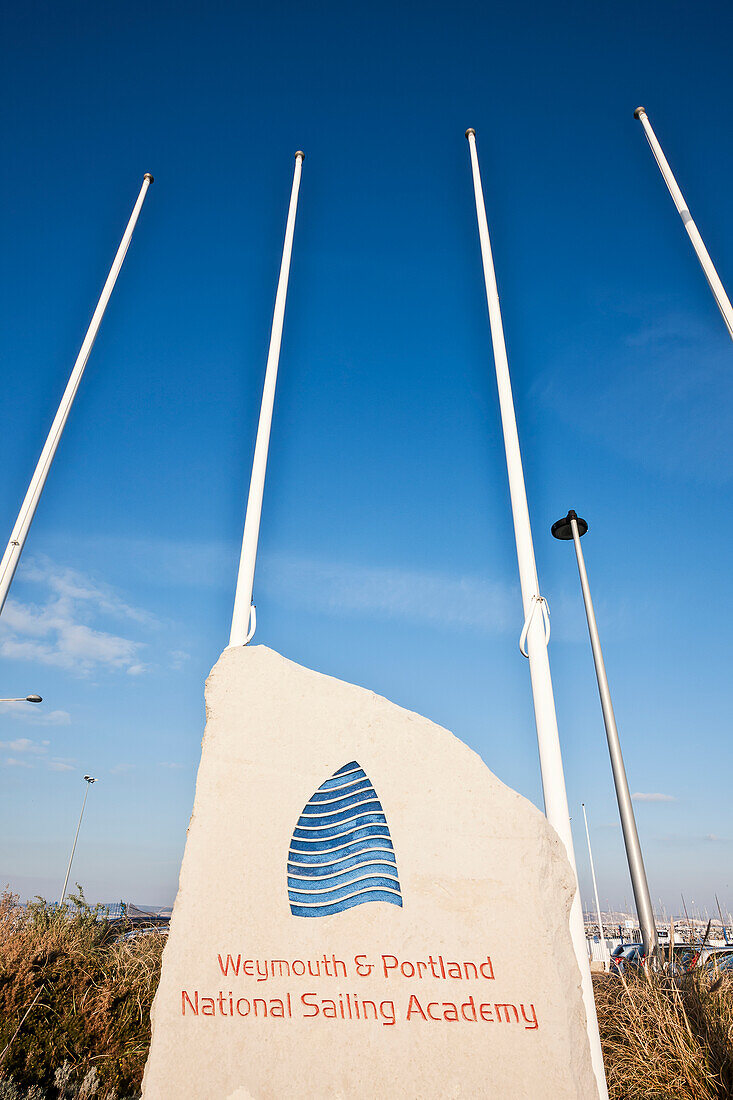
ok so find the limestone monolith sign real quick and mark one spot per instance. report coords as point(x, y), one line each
point(364, 911)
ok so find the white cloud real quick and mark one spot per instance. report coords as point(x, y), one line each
point(24, 744)
point(60, 766)
point(12, 762)
point(71, 585)
point(463, 601)
point(35, 715)
point(32, 753)
point(179, 658)
point(170, 764)
point(639, 796)
point(65, 630)
point(420, 596)
point(659, 396)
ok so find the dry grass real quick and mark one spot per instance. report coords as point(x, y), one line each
point(666, 1038)
point(75, 1016)
point(72, 994)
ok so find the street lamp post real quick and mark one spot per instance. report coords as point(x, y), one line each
point(572, 527)
point(88, 779)
point(601, 934)
point(24, 699)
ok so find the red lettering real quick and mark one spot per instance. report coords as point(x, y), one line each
point(224, 967)
point(243, 1001)
point(506, 1008)
point(530, 1024)
point(336, 964)
point(388, 966)
point(193, 1005)
point(470, 1005)
point(414, 1006)
point(491, 969)
point(433, 1004)
point(486, 1013)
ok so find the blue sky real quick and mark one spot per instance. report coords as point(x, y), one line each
point(387, 554)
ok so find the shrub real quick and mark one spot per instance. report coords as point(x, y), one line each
point(666, 1037)
point(74, 1001)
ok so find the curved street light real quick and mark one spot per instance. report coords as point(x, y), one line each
point(25, 699)
point(88, 779)
point(571, 528)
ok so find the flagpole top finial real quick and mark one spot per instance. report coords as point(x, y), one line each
point(639, 112)
point(149, 177)
point(470, 131)
point(300, 154)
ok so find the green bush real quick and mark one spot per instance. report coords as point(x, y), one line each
point(74, 1002)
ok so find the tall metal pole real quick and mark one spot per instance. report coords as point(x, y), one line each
point(640, 886)
point(244, 616)
point(14, 549)
point(535, 628)
point(721, 298)
point(88, 780)
point(604, 945)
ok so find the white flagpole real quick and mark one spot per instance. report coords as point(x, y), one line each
point(721, 298)
point(244, 616)
point(536, 626)
point(604, 945)
point(14, 549)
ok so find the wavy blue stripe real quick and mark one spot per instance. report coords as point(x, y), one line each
point(348, 788)
point(369, 865)
point(369, 882)
point(343, 780)
point(351, 799)
point(348, 767)
point(311, 842)
point(367, 870)
point(318, 870)
point(345, 903)
point(311, 855)
point(357, 822)
point(332, 810)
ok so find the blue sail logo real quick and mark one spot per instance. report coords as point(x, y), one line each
point(341, 853)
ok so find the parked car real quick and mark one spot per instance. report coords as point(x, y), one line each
point(718, 959)
point(685, 957)
point(627, 954)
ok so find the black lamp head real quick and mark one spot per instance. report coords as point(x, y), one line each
point(562, 528)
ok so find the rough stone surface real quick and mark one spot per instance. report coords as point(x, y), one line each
point(482, 875)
